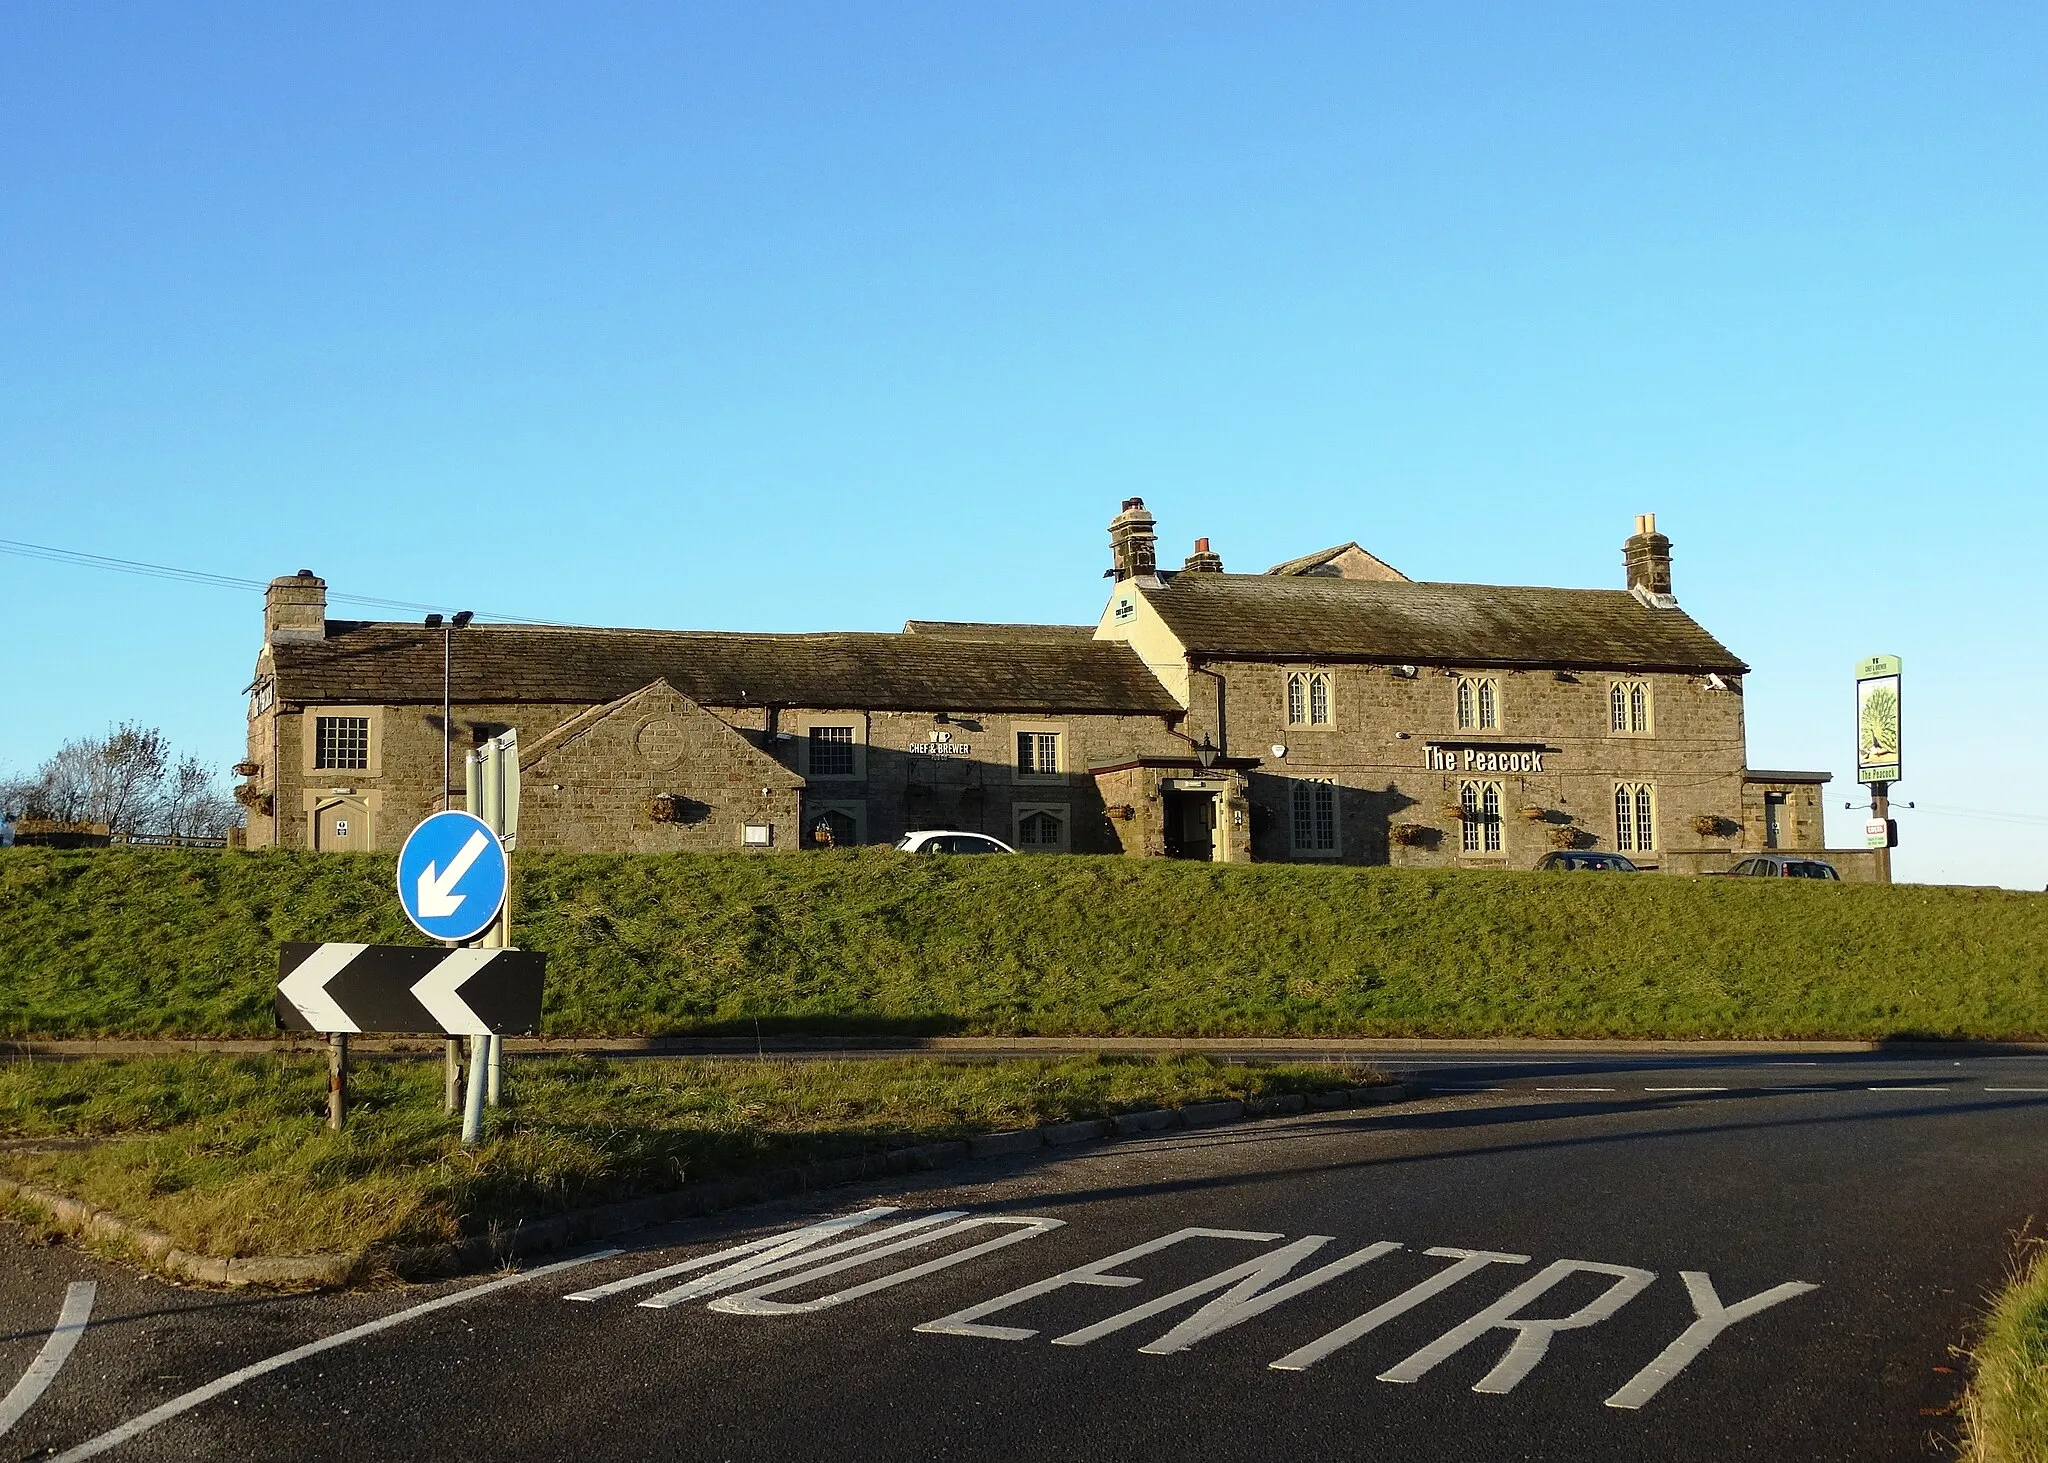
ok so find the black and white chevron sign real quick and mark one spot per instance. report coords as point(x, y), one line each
point(349, 988)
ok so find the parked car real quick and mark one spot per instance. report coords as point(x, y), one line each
point(946, 840)
point(1779, 866)
point(1593, 863)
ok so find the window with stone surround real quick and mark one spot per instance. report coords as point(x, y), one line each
point(1478, 703)
point(1628, 708)
point(1314, 821)
point(1479, 825)
point(1038, 753)
point(831, 751)
point(1635, 817)
point(1308, 698)
point(1042, 828)
point(341, 743)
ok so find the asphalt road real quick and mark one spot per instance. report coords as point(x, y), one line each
point(1633, 1196)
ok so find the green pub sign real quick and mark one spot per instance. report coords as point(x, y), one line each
point(1877, 719)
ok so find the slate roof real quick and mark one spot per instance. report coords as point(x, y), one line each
point(1269, 617)
point(986, 630)
point(1312, 563)
point(394, 664)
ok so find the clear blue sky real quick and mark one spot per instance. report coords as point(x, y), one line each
point(818, 317)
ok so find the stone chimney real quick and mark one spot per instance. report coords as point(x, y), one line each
point(1648, 556)
point(1201, 561)
point(1132, 544)
point(295, 608)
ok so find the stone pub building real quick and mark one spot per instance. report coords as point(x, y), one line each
point(1329, 710)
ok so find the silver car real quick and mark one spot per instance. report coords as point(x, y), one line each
point(1783, 866)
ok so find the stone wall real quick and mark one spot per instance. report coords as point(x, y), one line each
point(1395, 807)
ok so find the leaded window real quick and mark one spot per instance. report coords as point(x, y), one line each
point(1315, 817)
point(1479, 822)
point(1308, 698)
point(341, 742)
point(1038, 753)
point(832, 751)
point(1635, 817)
point(1478, 703)
point(1628, 706)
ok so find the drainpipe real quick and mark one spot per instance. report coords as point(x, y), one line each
point(1222, 724)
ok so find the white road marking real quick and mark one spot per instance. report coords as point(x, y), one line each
point(963, 1323)
point(1714, 1318)
point(749, 1302)
point(1470, 1262)
point(136, 1426)
point(776, 1245)
point(1532, 1337)
point(760, 1268)
point(1574, 1089)
point(71, 1320)
point(1249, 1297)
point(2016, 1089)
point(1905, 1089)
point(1685, 1089)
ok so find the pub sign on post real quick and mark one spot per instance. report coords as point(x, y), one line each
point(1877, 719)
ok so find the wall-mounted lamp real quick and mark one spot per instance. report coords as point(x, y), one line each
point(1279, 749)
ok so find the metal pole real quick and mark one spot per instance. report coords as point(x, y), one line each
point(473, 1108)
point(1881, 809)
point(494, 1062)
point(451, 1074)
point(337, 1078)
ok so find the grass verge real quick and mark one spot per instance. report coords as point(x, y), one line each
point(230, 1157)
point(141, 942)
point(2005, 1413)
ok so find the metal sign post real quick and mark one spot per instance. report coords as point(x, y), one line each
point(1878, 761)
point(491, 778)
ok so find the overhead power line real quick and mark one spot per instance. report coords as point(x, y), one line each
point(1984, 814)
point(77, 559)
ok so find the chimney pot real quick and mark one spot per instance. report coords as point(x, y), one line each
point(1201, 561)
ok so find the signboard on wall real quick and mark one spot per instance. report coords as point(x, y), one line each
point(1877, 719)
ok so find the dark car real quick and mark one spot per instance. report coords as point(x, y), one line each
point(1778, 866)
point(1588, 863)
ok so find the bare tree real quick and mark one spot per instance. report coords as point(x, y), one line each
point(127, 781)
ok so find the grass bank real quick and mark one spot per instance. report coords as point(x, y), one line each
point(231, 1157)
point(2005, 1414)
point(137, 942)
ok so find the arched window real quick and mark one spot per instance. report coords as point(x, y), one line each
point(1308, 698)
point(1629, 707)
point(1038, 829)
point(1478, 703)
point(1479, 830)
point(1635, 817)
point(831, 829)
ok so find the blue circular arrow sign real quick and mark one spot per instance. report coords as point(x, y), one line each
point(452, 876)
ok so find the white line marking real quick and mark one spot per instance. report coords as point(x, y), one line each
point(1446, 1087)
point(2016, 1089)
point(71, 1319)
point(1574, 1089)
point(1470, 1262)
point(1905, 1089)
point(750, 1303)
point(775, 1247)
point(136, 1426)
point(1096, 1272)
point(1714, 1318)
point(1532, 1337)
point(1685, 1089)
point(746, 1272)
